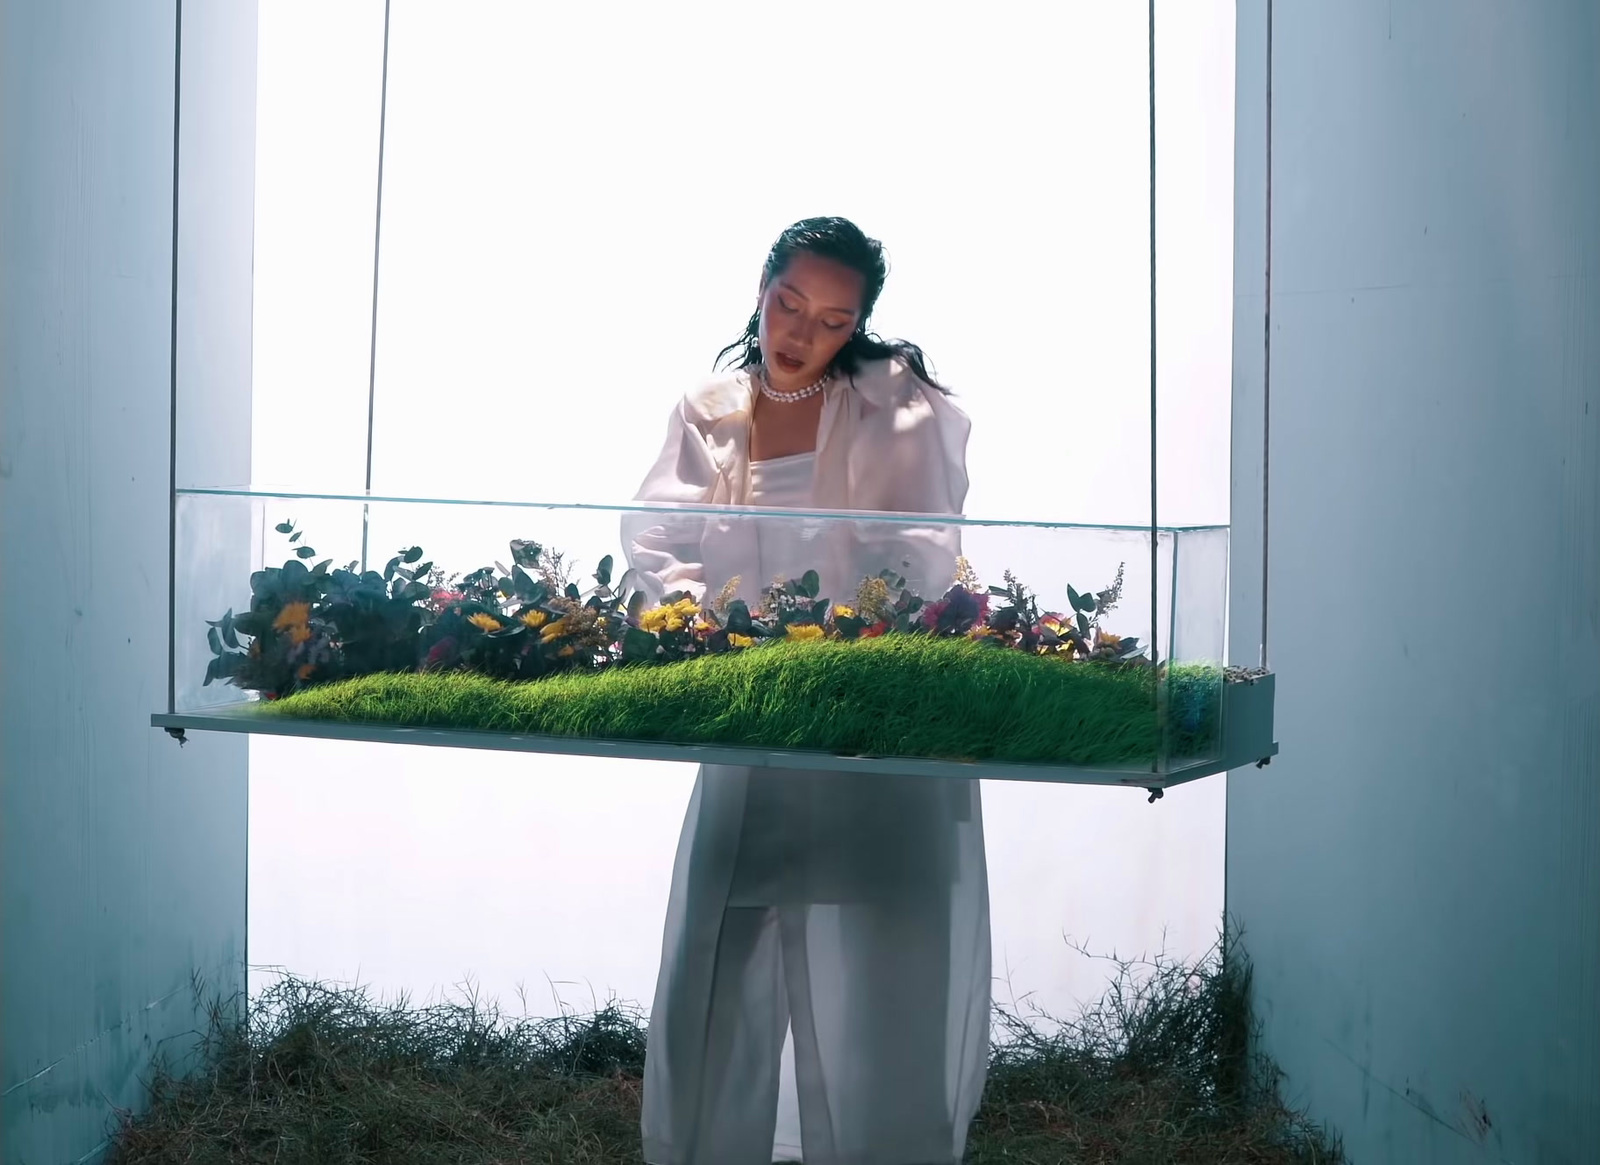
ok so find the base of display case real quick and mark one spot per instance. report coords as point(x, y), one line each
point(1246, 719)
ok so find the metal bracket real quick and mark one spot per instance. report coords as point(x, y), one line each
point(1155, 795)
point(177, 734)
point(1263, 762)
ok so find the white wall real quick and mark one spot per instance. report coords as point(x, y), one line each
point(1418, 874)
point(122, 884)
point(571, 216)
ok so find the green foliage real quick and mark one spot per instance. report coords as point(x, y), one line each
point(313, 625)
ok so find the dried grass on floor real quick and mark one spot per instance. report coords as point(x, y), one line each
point(1160, 1071)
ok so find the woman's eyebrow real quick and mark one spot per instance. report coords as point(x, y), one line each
point(787, 286)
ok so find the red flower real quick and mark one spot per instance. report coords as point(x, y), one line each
point(443, 598)
point(440, 650)
point(874, 631)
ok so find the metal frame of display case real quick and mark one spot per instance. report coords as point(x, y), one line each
point(1246, 718)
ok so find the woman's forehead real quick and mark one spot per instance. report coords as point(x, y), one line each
point(829, 284)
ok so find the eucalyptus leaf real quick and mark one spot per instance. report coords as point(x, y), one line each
point(413, 554)
point(1083, 624)
point(304, 552)
point(639, 645)
point(739, 621)
point(602, 574)
point(215, 640)
point(810, 584)
point(636, 605)
point(228, 635)
point(284, 527)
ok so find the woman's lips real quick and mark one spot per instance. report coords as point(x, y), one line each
point(787, 362)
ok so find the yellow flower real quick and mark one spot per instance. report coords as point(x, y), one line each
point(738, 640)
point(554, 631)
point(843, 613)
point(804, 631)
point(292, 615)
point(669, 618)
point(565, 651)
point(484, 622)
point(535, 619)
point(293, 620)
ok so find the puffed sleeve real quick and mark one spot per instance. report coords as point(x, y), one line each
point(908, 445)
point(663, 547)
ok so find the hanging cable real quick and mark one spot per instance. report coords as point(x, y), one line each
point(377, 239)
point(1155, 542)
point(172, 370)
point(1266, 369)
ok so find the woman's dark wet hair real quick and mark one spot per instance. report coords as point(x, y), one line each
point(842, 241)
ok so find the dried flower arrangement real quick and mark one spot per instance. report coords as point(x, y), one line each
point(313, 625)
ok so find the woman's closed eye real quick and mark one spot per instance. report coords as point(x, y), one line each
point(791, 309)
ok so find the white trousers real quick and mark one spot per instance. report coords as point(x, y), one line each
point(851, 912)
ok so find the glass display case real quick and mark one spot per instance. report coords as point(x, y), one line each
point(387, 345)
point(871, 642)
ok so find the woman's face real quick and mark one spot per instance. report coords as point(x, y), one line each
point(807, 314)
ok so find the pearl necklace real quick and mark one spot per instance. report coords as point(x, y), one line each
point(790, 397)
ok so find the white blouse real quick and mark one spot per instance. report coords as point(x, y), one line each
point(887, 441)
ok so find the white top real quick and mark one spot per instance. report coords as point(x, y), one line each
point(784, 548)
point(783, 481)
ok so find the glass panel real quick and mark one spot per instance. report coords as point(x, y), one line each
point(577, 209)
point(318, 89)
point(856, 675)
point(1197, 598)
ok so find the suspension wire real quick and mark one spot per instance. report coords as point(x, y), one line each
point(1266, 374)
point(1155, 542)
point(377, 239)
point(172, 401)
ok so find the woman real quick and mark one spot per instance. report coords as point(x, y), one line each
point(849, 910)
